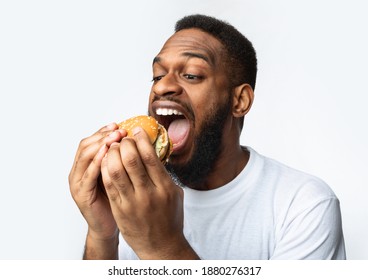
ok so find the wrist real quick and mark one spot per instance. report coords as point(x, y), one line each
point(178, 249)
point(102, 236)
point(101, 247)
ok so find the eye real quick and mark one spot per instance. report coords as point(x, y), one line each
point(192, 77)
point(157, 78)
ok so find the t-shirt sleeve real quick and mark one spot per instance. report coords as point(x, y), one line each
point(311, 229)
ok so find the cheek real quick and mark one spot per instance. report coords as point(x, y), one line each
point(202, 98)
point(207, 103)
point(150, 100)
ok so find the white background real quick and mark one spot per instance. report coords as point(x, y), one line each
point(69, 67)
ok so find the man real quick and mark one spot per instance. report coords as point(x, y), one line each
point(232, 203)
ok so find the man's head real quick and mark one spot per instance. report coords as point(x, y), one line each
point(201, 91)
point(240, 56)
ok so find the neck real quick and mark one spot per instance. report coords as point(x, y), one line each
point(231, 162)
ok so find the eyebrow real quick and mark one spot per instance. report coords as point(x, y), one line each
point(209, 60)
point(156, 60)
point(197, 55)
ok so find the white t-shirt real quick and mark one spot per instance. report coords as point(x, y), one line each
point(269, 211)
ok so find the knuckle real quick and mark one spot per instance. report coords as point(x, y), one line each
point(83, 143)
point(113, 196)
point(108, 185)
point(149, 159)
point(115, 174)
point(123, 189)
point(73, 190)
point(131, 162)
point(82, 155)
point(130, 159)
point(76, 191)
point(71, 177)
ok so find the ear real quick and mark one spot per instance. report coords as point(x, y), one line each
point(242, 100)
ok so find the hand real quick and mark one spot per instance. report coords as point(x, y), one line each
point(146, 204)
point(86, 184)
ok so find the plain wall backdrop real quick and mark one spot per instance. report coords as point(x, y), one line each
point(69, 67)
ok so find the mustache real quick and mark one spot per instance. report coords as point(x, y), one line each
point(187, 107)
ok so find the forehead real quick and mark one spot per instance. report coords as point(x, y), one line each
point(193, 42)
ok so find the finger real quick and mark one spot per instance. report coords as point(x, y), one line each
point(109, 127)
point(111, 192)
point(102, 132)
point(153, 166)
point(115, 178)
point(90, 146)
point(133, 165)
point(105, 134)
point(114, 137)
point(84, 149)
point(90, 176)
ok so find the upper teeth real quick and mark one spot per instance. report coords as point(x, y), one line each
point(167, 112)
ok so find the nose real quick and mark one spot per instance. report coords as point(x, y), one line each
point(166, 85)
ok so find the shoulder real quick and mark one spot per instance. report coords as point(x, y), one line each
point(289, 178)
point(290, 187)
point(305, 211)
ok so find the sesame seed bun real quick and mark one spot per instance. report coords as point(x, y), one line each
point(155, 131)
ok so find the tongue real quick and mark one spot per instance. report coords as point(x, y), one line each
point(178, 130)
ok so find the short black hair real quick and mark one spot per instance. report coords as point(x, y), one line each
point(242, 57)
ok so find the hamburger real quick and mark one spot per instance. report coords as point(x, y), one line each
point(156, 132)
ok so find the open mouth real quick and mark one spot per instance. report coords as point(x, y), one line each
point(173, 117)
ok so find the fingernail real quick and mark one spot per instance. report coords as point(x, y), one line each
point(136, 130)
point(113, 134)
point(111, 126)
point(122, 132)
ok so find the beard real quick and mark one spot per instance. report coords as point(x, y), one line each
point(207, 148)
